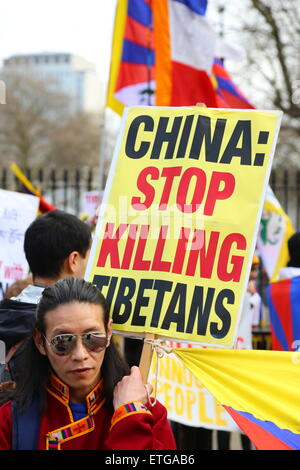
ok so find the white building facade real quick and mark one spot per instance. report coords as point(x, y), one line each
point(68, 73)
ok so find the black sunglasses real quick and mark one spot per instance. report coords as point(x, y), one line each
point(64, 343)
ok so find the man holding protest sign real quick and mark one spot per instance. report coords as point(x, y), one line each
point(283, 301)
point(76, 392)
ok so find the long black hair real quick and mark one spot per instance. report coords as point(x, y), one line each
point(36, 367)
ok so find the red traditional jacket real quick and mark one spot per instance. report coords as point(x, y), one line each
point(131, 427)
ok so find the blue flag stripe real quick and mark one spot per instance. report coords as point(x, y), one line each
point(140, 11)
point(197, 6)
point(286, 436)
point(226, 85)
point(295, 300)
point(136, 54)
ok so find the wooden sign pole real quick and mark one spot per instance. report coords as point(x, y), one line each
point(147, 352)
point(146, 357)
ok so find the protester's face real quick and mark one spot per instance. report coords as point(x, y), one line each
point(80, 369)
point(254, 272)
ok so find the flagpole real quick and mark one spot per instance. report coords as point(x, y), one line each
point(221, 11)
point(150, 31)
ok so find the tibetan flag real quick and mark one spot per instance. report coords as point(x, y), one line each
point(275, 230)
point(132, 72)
point(135, 83)
point(30, 189)
point(284, 305)
point(228, 94)
point(162, 54)
point(259, 389)
point(185, 47)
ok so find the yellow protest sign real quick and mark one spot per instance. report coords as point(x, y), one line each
point(178, 223)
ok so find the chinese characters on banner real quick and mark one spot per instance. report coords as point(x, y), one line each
point(17, 211)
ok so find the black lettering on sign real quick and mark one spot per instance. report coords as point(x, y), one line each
point(172, 316)
point(162, 135)
point(242, 132)
point(185, 137)
point(262, 140)
point(101, 281)
point(222, 313)
point(200, 311)
point(162, 287)
point(134, 128)
point(239, 145)
point(212, 143)
point(141, 301)
point(125, 293)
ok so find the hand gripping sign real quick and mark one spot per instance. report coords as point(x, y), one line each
point(178, 223)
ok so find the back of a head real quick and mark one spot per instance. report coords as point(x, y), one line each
point(294, 250)
point(51, 238)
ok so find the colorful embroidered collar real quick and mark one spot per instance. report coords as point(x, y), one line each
point(61, 391)
point(94, 401)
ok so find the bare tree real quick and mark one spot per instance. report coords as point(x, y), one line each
point(38, 125)
point(274, 50)
point(75, 142)
point(29, 118)
point(269, 31)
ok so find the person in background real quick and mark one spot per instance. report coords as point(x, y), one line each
point(75, 386)
point(16, 288)
point(250, 315)
point(255, 300)
point(283, 298)
point(293, 266)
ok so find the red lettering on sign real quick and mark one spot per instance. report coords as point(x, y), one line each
point(234, 274)
point(109, 246)
point(214, 193)
point(145, 188)
point(220, 187)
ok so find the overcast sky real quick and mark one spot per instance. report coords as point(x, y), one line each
point(82, 27)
